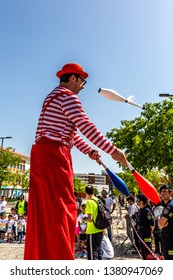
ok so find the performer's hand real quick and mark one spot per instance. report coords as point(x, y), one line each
point(120, 156)
point(94, 154)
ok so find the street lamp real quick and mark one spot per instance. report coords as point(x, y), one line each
point(165, 95)
point(2, 140)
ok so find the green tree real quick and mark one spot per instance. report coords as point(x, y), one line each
point(155, 177)
point(148, 140)
point(14, 179)
point(18, 179)
point(79, 186)
point(7, 158)
point(25, 179)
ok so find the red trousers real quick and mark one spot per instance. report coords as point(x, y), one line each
point(51, 221)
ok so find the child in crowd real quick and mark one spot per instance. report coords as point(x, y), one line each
point(15, 219)
point(78, 249)
point(20, 228)
point(3, 222)
point(9, 228)
point(24, 229)
point(82, 233)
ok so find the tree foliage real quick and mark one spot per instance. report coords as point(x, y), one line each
point(19, 179)
point(79, 186)
point(148, 140)
point(155, 177)
point(7, 158)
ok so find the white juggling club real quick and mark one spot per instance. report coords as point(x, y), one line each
point(113, 95)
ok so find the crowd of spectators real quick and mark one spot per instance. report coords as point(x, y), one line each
point(149, 226)
point(13, 223)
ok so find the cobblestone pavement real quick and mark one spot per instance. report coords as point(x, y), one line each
point(122, 246)
point(11, 251)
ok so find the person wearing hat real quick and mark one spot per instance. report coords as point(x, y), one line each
point(166, 222)
point(145, 224)
point(51, 193)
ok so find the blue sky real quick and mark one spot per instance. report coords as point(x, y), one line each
point(123, 45)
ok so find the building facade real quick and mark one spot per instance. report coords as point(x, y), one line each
point(99, 181)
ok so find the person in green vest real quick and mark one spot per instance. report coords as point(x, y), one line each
point(94, 235)
point(21, 206)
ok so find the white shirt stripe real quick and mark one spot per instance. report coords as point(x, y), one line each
point(62, 116)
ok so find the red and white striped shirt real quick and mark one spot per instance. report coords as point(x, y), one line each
point(62, 114)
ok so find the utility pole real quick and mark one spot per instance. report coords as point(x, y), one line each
point(2, 140)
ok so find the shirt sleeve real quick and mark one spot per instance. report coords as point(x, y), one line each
point(81, 145)
point(167, 212)
point(72, 108)
point(149, 218)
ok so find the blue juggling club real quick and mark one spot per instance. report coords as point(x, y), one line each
point(118, 183)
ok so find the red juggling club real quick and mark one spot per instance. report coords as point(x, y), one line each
point(146, 187)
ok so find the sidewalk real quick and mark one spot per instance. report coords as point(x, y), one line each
point(122, 246)
point(11, 251)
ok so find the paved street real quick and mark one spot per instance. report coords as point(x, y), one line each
point(11, 251)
